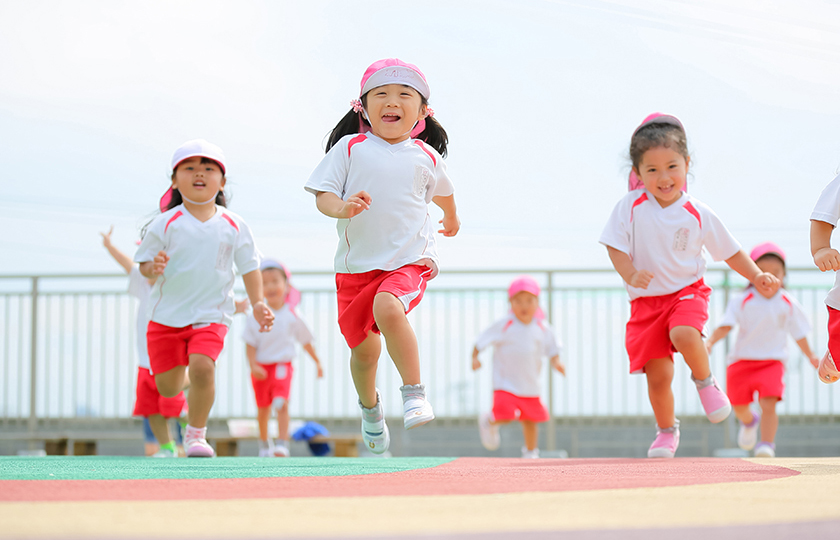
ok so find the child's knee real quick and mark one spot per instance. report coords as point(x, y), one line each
point(202, 370)
point(684, 337)
point(387, 309)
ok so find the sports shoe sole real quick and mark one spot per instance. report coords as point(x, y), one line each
point(377, 448)
point(419, 418)
point(719, 415)
point(660, 453)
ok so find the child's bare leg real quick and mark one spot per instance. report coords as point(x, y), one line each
point(160, 428)
point(769, 418)
point(743, 413)
point(660, 373)
point(202, 389)
point(689, 342)
point(531, 434)
point(170, 383)
point(283, 422)
point(390, 317)
point(364, 359)
point(263, 415)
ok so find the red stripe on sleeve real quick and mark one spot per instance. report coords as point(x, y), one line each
point(636, 203)
point(173, 218)
point(693, 211)
point(355, 140)
point(423, 147)
point(230, 220)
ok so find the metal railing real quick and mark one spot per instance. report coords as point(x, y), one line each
point(68, 348)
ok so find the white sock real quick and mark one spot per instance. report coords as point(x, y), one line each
point(193, 433)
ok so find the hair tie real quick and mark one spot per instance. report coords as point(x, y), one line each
point(357, 105)
point(430, 112)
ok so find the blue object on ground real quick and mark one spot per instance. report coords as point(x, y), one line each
point(309, 430)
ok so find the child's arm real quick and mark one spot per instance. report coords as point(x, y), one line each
point(123, 259)
point(824, 257)
point(624, 266)
point(253, 286)
point(154, 268)
point(311, 351)
point(765, 283)
point(476, 363)
point(451, 223)
point(557, 364)
point(331, 204)
point(806, 350)
point(719, 333)
point(257, 370)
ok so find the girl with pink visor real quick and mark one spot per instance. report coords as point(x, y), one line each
point(656, 238)
point(756, 363)
point(383, 167)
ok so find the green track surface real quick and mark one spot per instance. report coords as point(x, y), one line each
point(139, 468)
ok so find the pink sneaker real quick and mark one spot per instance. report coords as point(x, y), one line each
point(666, 442)
point(827, 369)
point(198, 448)
point(715, 402)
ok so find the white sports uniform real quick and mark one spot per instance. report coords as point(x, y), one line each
point(401, 180)
point(669, 242)
point(278, 345)
point(764, 324)
point(518, 353)
point(197, 284)
point(827, 209)
point(139, 288)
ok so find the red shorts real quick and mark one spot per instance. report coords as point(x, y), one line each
point(653, 317)
point(276, 384)
point(507, 406)
point(745, 377)
point(171, 347)
point(357, 291)
point(149, 401)
point(834, 334)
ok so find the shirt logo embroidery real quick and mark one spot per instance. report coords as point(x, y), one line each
point(223, 258)
point(681, 239)
point(422, 176)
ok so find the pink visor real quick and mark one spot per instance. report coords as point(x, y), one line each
point(767, 248)
point(292, 294)
point(394, 71)
point(633, 181)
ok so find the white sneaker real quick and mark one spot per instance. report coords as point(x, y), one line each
point(530, 454)
point(374, 429)
point(748, 433)
point(266, 452)
point(765, 449)
point(416, 409)
point(198, 448)
point(489, 432)
point(164, 453)
point(281, 450)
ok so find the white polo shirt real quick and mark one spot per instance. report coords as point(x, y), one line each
point(278, 344)
point(669, 242)
point(827, 209)
point(139, 288)
point(197, 284)
point(764, 324)
point(518, 353)
point(401, 179)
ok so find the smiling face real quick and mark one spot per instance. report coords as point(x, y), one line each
point(524, 306)
point(663, 171)
point(392, 111)
point(274, 287)
point(198, 179)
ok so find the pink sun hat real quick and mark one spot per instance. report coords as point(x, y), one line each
point(394, 71)
point(292, 294)
point(193, 148)
point(633, 181)
point(526, 284)
point(767, 248)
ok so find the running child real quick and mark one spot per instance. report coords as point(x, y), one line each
point(270, 355)
point(655, 238)
point(153, 407)
point(520, 340)
point(823, 220)
point(191, 250)
point(382, 169)
point(756, 362)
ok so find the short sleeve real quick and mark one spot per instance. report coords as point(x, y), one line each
point(827, 208)
point(798, 324)
point(552, 348)
point(138, 285)
point(616, 233)
point(246, 255)
point(301, 331)
point(490, 335)
point(733, 309)
point(331, 174)
point(443, 184)
point(251, 333)
point(717, 239)
point(152, 242)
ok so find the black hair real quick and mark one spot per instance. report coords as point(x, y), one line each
point(774, 256)
point(655, 135)
point(433, 134)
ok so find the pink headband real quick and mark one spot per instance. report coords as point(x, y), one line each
point(633, 181)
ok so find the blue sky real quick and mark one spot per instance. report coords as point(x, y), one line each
point(539, 99)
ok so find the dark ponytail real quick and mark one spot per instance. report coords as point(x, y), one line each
point(434, 135)
point(348, 125)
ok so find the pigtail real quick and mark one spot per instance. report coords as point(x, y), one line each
point(434, 135)
point(350, 124)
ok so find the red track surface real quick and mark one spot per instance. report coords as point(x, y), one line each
point(463, 476)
